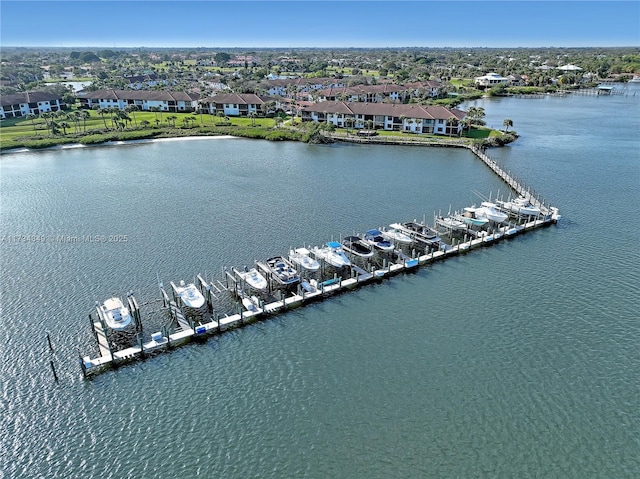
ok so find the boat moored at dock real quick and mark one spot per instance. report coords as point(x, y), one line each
point(377, 240)
point(333, 254)
point(253, 278)
point(300, 256)
point(520, 206)
point(282, 270)
point(115, 314)
point(490, 211)
point(190, 295)
point(357, 246)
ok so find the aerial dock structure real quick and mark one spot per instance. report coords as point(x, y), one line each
point(230, 302)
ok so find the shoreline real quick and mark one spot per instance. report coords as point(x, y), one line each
point(72, 146)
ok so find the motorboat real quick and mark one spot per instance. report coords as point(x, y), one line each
point(635, 79)
point(189, 294)
point(490, 211)
point(251, 303)
point(333, 254)
point(357, 246)
point(115, 314)
point(377, 240)
point(471, 217)
point(300, 256)
point(253, 278)
point(521, 206)
point(451, 223)
point(282, 270)
point(396, 235)
point(419, 232)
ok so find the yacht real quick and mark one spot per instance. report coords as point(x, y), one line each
point(115, 314)
point(282, 270)
point(377, 240)
point(333, 254)
point(357, 246)
point(300, 256)
point(253, 278)
point(190, 295)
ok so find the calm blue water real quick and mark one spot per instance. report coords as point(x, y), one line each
point(519, 360)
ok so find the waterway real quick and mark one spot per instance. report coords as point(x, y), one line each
point(518, 360)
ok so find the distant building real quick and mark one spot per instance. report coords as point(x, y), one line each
point(22, 104)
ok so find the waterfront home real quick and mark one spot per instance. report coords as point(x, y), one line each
point(491, 79)
point(233, 104)
point(173, 101)
point(29, 103)
point(387, 116)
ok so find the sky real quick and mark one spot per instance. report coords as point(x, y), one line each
point(370, 23)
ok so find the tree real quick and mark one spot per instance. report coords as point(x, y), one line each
point(252, 115)
point(507, 123)
point(222, 58)
point(452, 121)
point(32, 117)
point(101, 112)
point(64, 125)
point(132, 109)
point(144, 123)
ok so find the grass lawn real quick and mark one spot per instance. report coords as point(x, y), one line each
point(16, 131)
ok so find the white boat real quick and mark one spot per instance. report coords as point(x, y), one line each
point(471, 218)
point(300, 256)
point(377, 240)
point(490, 211)
point(357, 246)
point(398, 236)
point(251, 303)
point(253, 278)
point(520, 205)
point(115, 314)
point(189, 294)
point(282, 270)
point(451, 223)
point(419, 232)
point(635, 79)
point(333, 254)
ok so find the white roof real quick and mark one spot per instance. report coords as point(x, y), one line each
point(569, 68)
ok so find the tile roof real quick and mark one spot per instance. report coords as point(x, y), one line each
point(27, 97)
point(427, 112)
point(239, 98)
point(148, 95)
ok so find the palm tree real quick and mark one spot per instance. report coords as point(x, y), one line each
point(155, 111)
point(252, 115)
point(507, 123)
point(101, 112)
point(144, 123)
point(47, 116)
point(278, 121)
point(83, 115)
point(471, 113)
point(451, 122)
point(132, 109)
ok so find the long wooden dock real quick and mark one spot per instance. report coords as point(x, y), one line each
point(308, 290)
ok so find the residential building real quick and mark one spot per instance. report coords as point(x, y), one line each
point(34, 103)
point(386, 116)
point(491, 79)
point(233, 104)
point(173, 101)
